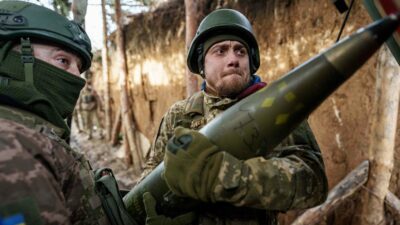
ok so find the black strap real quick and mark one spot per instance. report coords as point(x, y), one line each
point(345, 21)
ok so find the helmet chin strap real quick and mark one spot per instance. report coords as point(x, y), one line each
point(200, 60)
point(27, 59)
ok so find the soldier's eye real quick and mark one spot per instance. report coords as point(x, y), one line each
point(241, 51)
point(63, 61)
point(220, 51)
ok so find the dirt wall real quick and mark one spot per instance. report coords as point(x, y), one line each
point(289, 32)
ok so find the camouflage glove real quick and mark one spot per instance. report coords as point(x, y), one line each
point(155, 219)
point(192, 164)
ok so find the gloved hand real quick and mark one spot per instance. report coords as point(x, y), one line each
point(192, 164)
point(155, 219)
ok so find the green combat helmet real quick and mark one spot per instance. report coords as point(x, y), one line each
point(23, 19)
point(222, 22)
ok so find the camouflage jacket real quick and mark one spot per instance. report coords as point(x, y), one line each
point(298, 152)
point(41, 178)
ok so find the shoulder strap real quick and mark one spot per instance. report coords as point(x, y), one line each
point(108, 191)
point(195, 103)
point(193, 110)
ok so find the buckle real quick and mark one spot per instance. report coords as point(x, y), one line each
point(26, 51)
point(9, 19)
point(27, 59)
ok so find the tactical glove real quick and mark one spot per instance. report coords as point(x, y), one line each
point(153, 218)
point(192, 165)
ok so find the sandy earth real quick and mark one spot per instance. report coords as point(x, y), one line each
point(102, 154)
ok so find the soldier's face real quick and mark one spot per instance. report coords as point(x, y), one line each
point(56, 56)
point(226, 68)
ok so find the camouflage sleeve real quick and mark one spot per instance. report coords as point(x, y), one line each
point(165, 132)
point(291, 177)
point(42, 181)
point(156, 149)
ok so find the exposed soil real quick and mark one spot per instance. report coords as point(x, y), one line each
point(102, 154)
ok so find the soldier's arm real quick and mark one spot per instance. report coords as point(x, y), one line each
point(294, 170)
point(43, 180)
point(157, 148)
point(26, 185)
point(290, 177)
point(294, 179)
point(156, 153)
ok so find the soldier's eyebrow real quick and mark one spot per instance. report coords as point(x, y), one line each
point(225, 44)
point(219, 45)
point(239, 45)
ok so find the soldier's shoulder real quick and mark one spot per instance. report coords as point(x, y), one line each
point(188, 104)
point(17, 134)
point(28, 119)
point(178, 107)
point(12, 127)
point(17, 115)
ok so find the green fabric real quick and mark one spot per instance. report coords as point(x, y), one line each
point(27, 59)
point(192, 152)
point(53, 96)
point(153, 218)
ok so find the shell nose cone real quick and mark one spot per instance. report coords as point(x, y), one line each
point(383, 28)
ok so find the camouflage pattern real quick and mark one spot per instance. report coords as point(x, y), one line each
point(194, 113)
point(294, 170)
point(41, 177)
point(89, 104)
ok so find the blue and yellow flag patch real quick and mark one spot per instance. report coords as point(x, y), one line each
point(16, 219)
